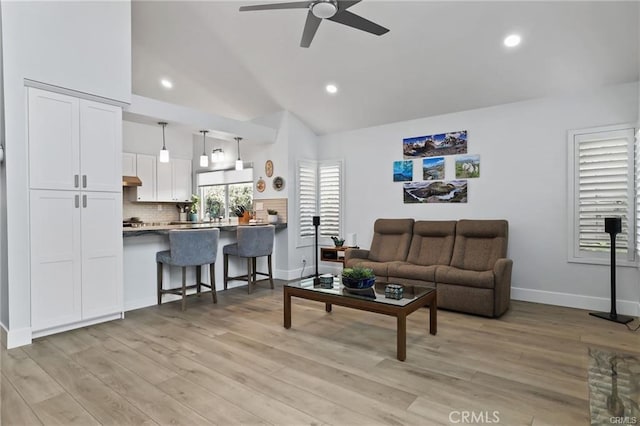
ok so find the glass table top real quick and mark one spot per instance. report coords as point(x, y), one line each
point(374, 294)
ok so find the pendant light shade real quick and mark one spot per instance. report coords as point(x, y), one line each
point(239, 164)
point(164, 152)
point(204, 159)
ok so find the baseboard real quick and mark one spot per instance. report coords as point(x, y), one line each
point(600, 304)
point(79, 324)
point(15, 338)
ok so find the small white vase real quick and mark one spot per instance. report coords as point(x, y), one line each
point(272, 218)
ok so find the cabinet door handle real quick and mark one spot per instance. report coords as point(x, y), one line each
point(76, 181)
point(77, 201)
point(84, 181)
point(84, 201)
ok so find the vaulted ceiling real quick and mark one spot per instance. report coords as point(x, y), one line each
point(439, 57)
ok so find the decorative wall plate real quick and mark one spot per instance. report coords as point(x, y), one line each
point(268, 168)
point(260, 185)
point(278, 183)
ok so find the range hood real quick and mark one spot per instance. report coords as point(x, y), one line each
point(131, 181)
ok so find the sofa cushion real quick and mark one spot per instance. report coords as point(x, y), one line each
point(391, 240)
point(411, 271)
point(432, 242)
point(479, 243)
point(452, 275)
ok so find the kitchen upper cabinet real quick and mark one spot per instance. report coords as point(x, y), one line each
point(146, 171)
point(54, 140)
point(129, 164)
point(100, 146)
point(73, 143)
point(174, 180)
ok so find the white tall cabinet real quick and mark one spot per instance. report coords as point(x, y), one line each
point(75, 171)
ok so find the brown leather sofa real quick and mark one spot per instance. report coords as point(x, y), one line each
point(466, 260)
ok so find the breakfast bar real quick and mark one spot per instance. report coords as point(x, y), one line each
point(141, 244)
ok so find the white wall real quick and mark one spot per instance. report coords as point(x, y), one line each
point(523, 152)
point(4, 287)
point(83, 46)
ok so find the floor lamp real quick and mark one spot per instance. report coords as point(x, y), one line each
point(613, 226)
point(316, 223)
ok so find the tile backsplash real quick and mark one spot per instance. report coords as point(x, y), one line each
point(147, 212)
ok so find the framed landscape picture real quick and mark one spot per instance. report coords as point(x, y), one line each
point(433, 168)
point(467, 166)
point(435, 145)
point(454, 191)
point(402, 171)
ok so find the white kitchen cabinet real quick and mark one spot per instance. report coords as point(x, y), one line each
point(55, 258)
point(73, 143)
point(146, 171)
point(76, 257)
point(174, 180)
point(129, 164)
point(75, 211)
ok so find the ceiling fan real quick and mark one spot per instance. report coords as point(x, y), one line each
point(333, 10)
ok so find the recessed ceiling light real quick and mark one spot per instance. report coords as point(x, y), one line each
point(512, 40)
point(331, 88)
point(166, 83)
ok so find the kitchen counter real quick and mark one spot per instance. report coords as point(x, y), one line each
point(163, 229)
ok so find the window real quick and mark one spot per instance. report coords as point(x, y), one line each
point(601, 184)
point(221, 192)
point(319, 194)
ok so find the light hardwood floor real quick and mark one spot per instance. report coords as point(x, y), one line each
point(234, 363)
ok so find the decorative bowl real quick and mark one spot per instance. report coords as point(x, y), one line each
point(358, 284)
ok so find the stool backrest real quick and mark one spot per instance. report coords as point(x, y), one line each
point(191, 247)
point(255, 241)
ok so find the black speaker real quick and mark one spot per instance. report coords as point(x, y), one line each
point(612, 225)
point(316, 220)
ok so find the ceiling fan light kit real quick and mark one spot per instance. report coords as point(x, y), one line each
point(317, 10)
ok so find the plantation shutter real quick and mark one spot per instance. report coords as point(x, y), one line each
point(330, 183)
point(307, 196)
point(605, 184)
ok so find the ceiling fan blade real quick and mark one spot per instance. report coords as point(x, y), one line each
point(310, 28)
point(292, 5)
point(352, 20)
point(343, 4)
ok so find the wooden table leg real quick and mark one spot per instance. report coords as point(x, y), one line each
point(433, 316)
point(287, 309)
point(402, 337)
point(327, 307)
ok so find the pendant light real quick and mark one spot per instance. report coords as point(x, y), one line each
point(217, 155)
point(164, 152)
point(204, 159)
point(239, 165)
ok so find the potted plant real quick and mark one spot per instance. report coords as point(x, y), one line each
point(193, 210)
point(272, 216)
point(358, 278)
point(339, 242)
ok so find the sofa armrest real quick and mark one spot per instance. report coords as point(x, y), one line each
point(353, 253)
point(502, 291)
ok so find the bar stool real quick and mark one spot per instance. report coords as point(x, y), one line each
point(190, 247)
point(253, 242)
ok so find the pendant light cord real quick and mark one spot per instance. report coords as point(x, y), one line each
point(163, 143)
point(204, 141)
point(238, 141)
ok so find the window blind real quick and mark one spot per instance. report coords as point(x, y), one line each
point(330, 198)
point(307, 196)
point(605, 183)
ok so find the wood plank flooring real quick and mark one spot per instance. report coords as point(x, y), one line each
point(234, 363)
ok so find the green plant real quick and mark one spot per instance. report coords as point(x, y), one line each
point(272, 212)
point(195, 201)
point(357, 273)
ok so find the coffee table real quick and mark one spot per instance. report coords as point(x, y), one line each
point(370, 300)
